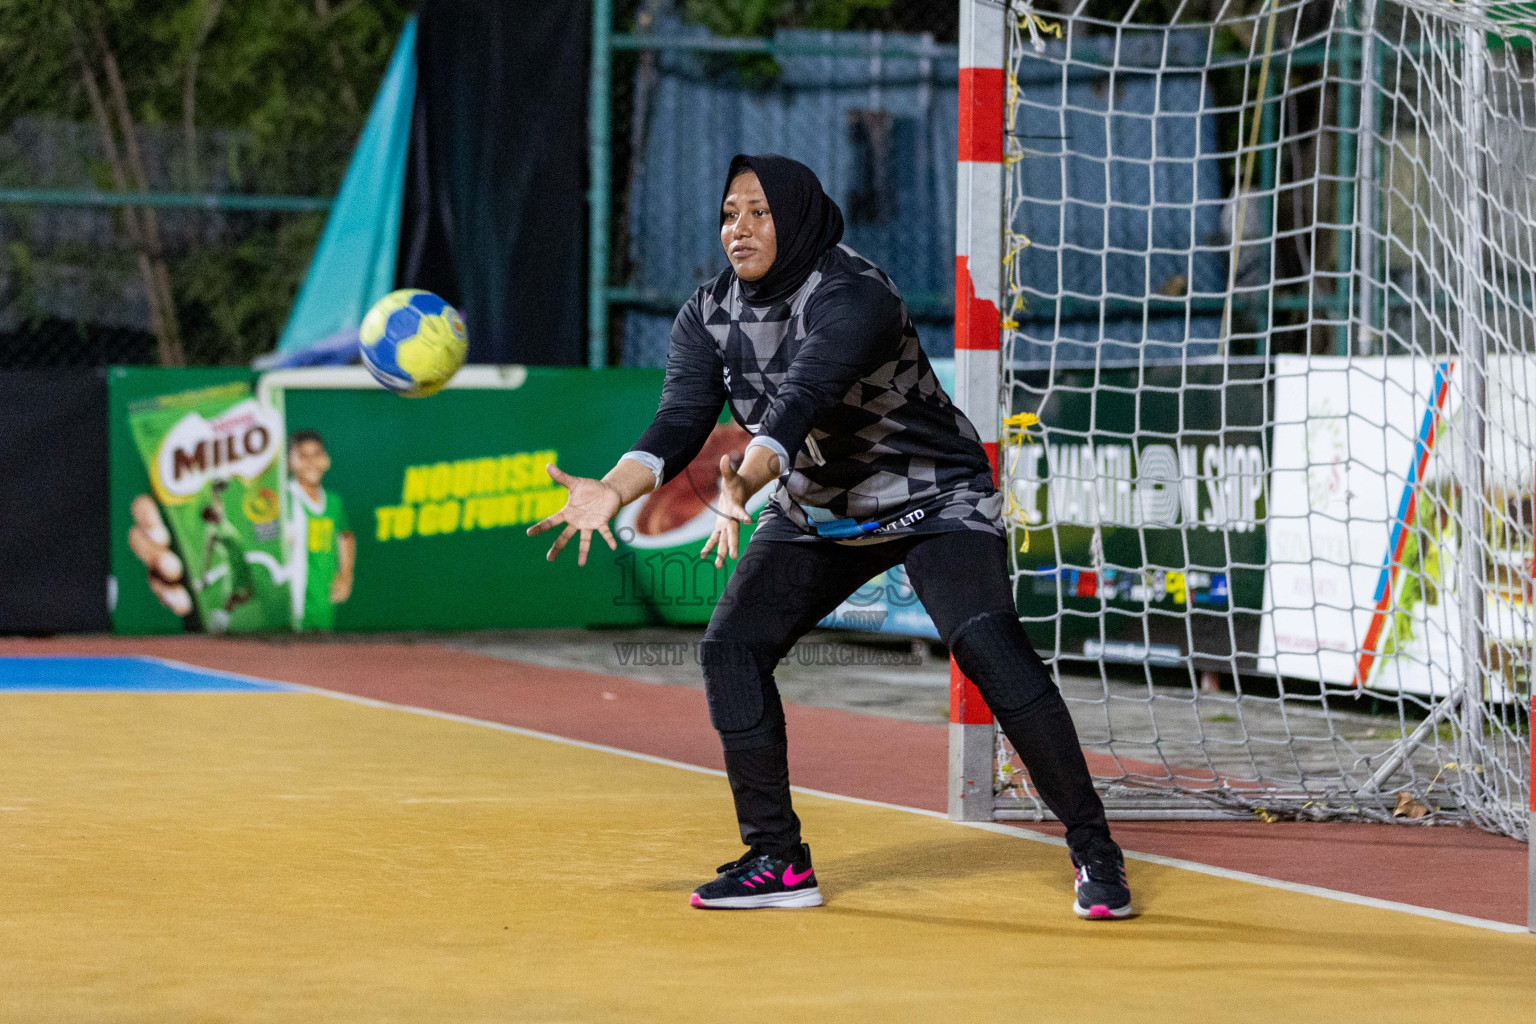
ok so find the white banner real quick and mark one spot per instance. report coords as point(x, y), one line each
point(1364, 522)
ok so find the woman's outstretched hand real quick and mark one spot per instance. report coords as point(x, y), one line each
point(589, 506)
point(730, 513)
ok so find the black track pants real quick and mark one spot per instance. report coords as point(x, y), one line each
point(782, 588)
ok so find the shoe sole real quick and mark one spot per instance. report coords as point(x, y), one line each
point(768, 901)
point(1100, 912)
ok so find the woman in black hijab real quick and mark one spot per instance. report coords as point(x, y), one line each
point(810, 345)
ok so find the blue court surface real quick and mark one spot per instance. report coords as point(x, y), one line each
point(140, 675)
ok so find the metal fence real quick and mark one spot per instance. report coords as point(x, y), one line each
point(873, 112)
point(163, 169)
point(78, 262)
point(871, 109)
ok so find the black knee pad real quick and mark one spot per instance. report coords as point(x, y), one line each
point(735, 677)
point(993, 652)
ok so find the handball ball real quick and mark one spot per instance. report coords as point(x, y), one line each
point(413, 342)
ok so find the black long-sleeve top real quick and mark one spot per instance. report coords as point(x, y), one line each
point(835, 381)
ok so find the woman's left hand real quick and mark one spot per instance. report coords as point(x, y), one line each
point(730, 513)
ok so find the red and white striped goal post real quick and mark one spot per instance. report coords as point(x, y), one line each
point(978, 328)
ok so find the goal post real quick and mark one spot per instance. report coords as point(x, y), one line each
point(978, 300)
point(1245, 312)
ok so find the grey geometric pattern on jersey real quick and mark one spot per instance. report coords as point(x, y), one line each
point(894, 457)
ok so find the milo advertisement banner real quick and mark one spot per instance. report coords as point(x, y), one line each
point(665, 530)
point(315, 500)
point(209, 532)
point(413, 513)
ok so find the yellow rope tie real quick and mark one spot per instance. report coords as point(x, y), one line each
point(1016, 306)
point(1452, 766)
point(1016, 437)
point(1036, 25)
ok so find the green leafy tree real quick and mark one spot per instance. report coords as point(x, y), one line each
point(265, 96)
point(762, 17)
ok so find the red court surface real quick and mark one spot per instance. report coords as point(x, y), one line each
point(1459, 870)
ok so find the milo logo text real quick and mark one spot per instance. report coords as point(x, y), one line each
point(221, 451)
point(242, 441)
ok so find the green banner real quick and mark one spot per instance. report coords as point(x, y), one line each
point(438, 493)
point(1145, 489)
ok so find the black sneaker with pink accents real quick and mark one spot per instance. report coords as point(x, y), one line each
point(760, 879)
point(1102, 892)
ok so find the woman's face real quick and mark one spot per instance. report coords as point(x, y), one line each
point(746, 228)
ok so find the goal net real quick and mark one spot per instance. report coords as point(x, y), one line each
point(1264, 302)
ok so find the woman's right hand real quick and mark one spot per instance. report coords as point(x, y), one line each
point(589, 505)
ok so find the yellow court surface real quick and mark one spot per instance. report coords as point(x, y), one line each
point(289, 856)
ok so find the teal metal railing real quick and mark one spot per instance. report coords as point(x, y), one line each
point(599, 173)
point(161, 200)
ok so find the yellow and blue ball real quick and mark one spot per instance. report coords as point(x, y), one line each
point(413, 342)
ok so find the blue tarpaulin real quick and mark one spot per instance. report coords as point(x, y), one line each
point(1121, 193)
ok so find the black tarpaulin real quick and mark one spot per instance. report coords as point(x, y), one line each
point(54, 533)
point(495, 209)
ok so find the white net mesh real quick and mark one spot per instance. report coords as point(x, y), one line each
point(1270, 289)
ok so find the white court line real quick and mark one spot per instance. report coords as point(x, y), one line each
point(985, 826)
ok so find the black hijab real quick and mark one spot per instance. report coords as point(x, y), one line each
point(805, 219)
